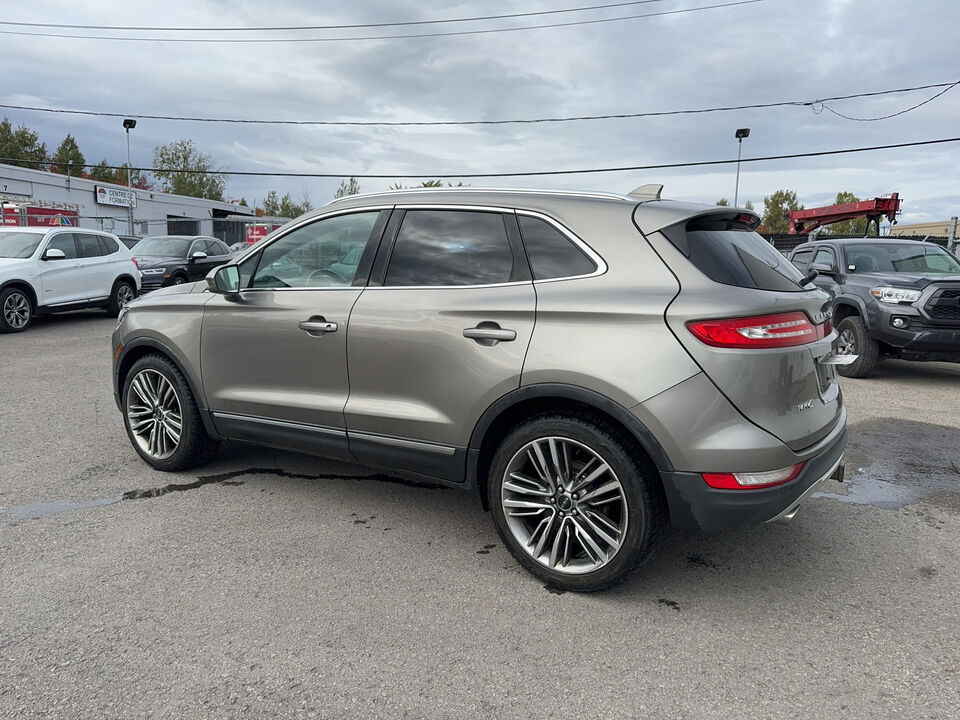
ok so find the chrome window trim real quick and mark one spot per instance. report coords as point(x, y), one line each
point(575, 239)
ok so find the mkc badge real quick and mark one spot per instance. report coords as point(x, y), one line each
point(805, 406)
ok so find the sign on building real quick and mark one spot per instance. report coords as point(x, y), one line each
point(115, 196)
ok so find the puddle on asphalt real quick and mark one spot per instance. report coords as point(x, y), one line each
point(892, 463)
point(35, 511)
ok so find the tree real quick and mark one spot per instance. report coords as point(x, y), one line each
point(21, 147)
point(425, 184)
point(776, 211)
point(68, 154)
point(723, 202)
point(104, 172)
point(183, 170)
point(749, 206)
point(347, 187)
point(276, 206)
point(856, 227)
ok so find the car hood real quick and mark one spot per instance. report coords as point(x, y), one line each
point(915, 281)
point(149, 261)
point(12, 265)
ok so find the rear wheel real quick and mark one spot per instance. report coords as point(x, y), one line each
point(16, 310)
point(161, 415)
point(122, 293)
point(574, 502)
point(854, 340)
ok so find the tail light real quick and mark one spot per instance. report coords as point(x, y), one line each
point(752, 481)
point(762, 331)
point(135, 263)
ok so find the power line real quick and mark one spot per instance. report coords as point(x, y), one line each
point(891, 115)
point(382, 37)
point(406, 23)
point(433, 123)
point(445, 176)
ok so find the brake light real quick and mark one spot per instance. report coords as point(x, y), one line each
point(752, 481)
point(762, 331)
point(135, 263)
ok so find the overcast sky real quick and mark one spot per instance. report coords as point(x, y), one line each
point(769, 51)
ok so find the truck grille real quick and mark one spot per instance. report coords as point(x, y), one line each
point(944, 304)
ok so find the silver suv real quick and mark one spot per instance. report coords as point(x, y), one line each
point(595, 366)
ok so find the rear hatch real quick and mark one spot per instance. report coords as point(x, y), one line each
point(749, 320)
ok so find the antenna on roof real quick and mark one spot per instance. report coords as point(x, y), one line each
point(646, 192)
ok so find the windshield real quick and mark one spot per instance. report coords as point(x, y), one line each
point(163, 247)
point(19, 244)
point(912, 257)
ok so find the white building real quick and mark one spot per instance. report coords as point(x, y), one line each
point(104, 206)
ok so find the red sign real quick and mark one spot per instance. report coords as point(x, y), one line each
point(258, 231)
point(31, 216)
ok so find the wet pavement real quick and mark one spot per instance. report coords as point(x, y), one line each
point(270, 584)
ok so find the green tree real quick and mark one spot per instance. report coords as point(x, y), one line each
point(723, 202)
point(347, 187)
point(68, 157)
point(749, 206)
point(183, 170)
point(276, 206)
point(776, 211)
point(425, 184)
point(21, 146)
point(856, 227)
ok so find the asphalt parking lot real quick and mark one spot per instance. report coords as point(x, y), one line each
point(277, 585)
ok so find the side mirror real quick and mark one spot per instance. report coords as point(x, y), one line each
point(824, 269)
point(198, 255)
point(54, 254)
point(224, 280)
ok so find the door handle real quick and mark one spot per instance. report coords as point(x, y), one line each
point(317, 326)
point(489, 333)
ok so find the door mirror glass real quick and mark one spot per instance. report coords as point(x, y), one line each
point(225, 280)
point(198, 255)
point(54, 254)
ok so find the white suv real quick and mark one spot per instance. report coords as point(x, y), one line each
point(52, 269)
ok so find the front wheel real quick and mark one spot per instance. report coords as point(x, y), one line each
point(161, 415)
point(16, 310)
point(574, 502)
point(854, 340)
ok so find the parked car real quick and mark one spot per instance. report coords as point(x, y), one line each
point(239, 247)
point(128, 240)
point(595, 366)
point(892, 298)
point(176, 259)
point(44, 269)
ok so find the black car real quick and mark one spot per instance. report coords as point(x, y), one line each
point(176, 259)
point(892, 298)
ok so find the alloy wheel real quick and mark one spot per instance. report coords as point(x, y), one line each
point(124, 294)
point(154, 414)
point(16, 310)
point(847, 344)
point(564, 505)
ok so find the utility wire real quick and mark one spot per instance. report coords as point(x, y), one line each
point(406, 23)
point(382, 37)
point(891, 115)
point(698, 163)
point(434, 123)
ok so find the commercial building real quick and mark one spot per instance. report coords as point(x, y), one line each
point(117, 208)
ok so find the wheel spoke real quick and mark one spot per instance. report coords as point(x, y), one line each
point(591, 477)
point(598, 531)
point(587, 542)
point(540, 465)
point(543, 531)
point(530, 486)
point(612, 486)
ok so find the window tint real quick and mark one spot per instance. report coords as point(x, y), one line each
point(551, 253)
point(211, 247)
point(802, 258)
point(197, 246)
point(310, 256)
point(911, 257)
point(108, 246)
point(65, 242)
point(825, 256)
point(220, 248)
point(450, 247)
point(89, 245)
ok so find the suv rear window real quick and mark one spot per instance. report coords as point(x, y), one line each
point(727, 252)
point(551, 254)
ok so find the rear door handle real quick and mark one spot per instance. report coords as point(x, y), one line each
point(490, 333)
point(318, 326)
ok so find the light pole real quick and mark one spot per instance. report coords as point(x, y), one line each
point(740, 135)
point(128, 125)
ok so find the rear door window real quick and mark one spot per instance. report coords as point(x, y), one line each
point(801, 258)
point(729, 253)
point(89, 245)
point(551, 253)
point(437, 248)
point(108, 245)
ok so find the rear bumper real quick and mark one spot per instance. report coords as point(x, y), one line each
point(694, 505)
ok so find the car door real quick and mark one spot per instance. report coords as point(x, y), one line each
point(438, 335)
point(197, 268)
point(826, 257)
point(62, 280)
point(274, 358)
point(96, 266)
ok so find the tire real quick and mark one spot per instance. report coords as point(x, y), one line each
point(153, 378)
point(854, 340)
point(545, 540)
point(121, 293)
point(16, 310)
point(178, 280)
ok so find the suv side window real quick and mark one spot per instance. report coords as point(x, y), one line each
point(308, 256)
point(801, 258)
point(89, 245)
point(197, 246)
point(108, 246)
point(551, 253)
point(825, 256)
point(438, 248)
point(65, 242)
